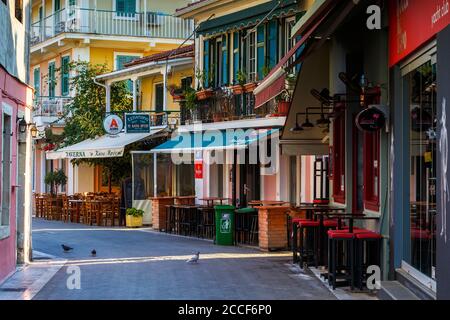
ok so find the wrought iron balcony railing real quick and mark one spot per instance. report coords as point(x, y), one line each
point(50, 106)
point(134, 24)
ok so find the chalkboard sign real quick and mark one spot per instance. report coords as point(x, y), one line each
point(370, 119)
point(137, 123)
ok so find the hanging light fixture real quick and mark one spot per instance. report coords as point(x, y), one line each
point(297, 128)
point(323, 122)
point(307, 124)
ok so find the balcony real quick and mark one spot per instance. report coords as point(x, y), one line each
point(49, 109)
point(114, 23)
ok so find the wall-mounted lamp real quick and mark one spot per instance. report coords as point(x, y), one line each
point(22, 125)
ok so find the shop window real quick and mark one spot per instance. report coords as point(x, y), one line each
point(185, 185)
point(339, 159)
point(371, 162)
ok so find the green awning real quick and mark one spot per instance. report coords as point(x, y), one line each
point(248, 17)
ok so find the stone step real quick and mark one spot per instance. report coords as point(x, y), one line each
point(394, 290)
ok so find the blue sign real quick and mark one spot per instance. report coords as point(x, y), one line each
point(137, 123)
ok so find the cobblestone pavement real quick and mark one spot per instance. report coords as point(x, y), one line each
point(143, 264)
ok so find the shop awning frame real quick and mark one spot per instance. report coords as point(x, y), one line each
point(106, 146)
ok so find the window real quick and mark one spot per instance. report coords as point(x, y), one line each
point(62, 166)
point(37, 81)
point(6, 165)
point(186, 83)
point(371, 171)
point(159, 97)
point(65, 76)
point(224, 62)
point(272, 44)
point(125, 8)
point(48, 169)
point(18, 9)
point(121, 60)
point(339, 159)
point(217, 62)
point(51, 79)
point(236, 61)
point(251, 56)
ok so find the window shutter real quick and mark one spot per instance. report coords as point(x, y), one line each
point(37, 81)
point(236, 61)
point(51, 79)
point(224, 59)
point(65, 76)
point(120, 5)
point(272, 49)
point(206, 63)
point(260, 54)
point(130, 6)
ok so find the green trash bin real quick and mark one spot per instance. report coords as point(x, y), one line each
point(224, 225)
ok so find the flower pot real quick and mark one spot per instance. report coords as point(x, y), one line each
point(204, 94)
point(218, 117)
point(133, 222)
point(178, 97)
point(249, 87)
point(283, 108)
point(237, 89)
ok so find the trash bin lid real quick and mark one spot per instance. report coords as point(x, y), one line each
point(246, 210)
point(224, 207)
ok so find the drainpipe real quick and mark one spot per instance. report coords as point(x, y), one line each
point(108, 94)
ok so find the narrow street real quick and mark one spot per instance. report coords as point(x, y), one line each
point(142, 264)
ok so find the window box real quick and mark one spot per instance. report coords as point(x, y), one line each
point(204, 94)
point(283, 108)
point(249, 87)
point(237, 89)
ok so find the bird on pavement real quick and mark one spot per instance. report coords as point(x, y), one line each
point(93, 253)
point(66, 248)
point(194, 258)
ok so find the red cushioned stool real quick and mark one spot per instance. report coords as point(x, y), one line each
point(294, 238)
point(341, 258)
point(368, 252)
point(306, 252)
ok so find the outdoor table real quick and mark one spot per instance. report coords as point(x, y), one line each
point(78, 204)
point(180, 200)
point(210, 200)
point(256, 203)
point(312, 208)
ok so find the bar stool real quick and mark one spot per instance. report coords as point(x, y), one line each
point(368, 252)
point(336, 267)
point(308, 242)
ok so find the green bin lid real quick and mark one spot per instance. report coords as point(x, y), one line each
point(246, 210)
point(224, 207)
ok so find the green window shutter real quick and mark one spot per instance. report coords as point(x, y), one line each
point(65, 76)
point(126, 6)
point(206, 63)
point(57, 5)
point(121, 60)
point(159, 97)
point(224, 60)
point(236, 61)
point(272, 44)
point(37, 81)
point(260, 54)
point(51, 79)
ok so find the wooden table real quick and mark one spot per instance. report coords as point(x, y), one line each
point(189, 200)
point(269, 203)
point(210, 200)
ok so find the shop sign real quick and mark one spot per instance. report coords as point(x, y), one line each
point(198, 169)
point(137, 122)
point(113, 124)
point(370, 119)
point(413, 23)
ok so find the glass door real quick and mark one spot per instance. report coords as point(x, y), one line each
point(420, 97)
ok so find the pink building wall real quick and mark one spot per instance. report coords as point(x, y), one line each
point(15, 94)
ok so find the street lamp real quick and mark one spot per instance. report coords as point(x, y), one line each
point(34, 131)
point(22, 125)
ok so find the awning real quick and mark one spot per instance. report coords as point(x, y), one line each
point(103, 147)
point(247, 17)
point(273, 84)
point(189, 142)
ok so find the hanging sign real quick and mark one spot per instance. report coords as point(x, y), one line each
point(198, 169)
point(113, 124)
point(370, 119)
point(137, 122)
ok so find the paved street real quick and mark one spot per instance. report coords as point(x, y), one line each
point(142, 264)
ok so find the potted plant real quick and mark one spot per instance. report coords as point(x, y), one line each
point(134, 217)
point(202, 93)
point(55, 179)
point(290, 81)
point(283, 102)
point(190, 101)
point(241, 77)
point(177, 93)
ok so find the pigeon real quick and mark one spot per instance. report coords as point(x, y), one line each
point(93, 253)
point(66, 248)
point(194, 258)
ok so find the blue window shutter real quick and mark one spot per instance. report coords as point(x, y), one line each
point(206, 63)
point(236, 61)
point(272, 50)
point(51, 79)
point(224, 60)
point(120, 5)
point(260, 54)
point(130, 6)
point(37, 81)
point(121, 60)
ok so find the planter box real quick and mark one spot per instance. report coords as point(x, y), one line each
point(133, 222)
point(204, 94)
point(283, 108)
point(237, 89)
point(249, 87)
point(178, 97)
